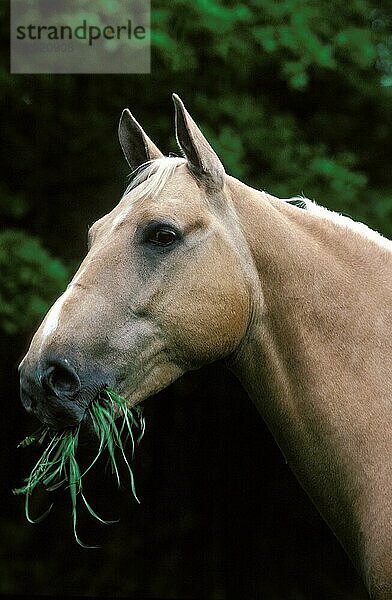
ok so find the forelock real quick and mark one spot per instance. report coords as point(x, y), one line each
point(151, 177)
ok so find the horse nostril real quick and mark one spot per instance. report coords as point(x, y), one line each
point(61, 380)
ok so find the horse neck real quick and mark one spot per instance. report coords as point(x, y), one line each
point(317, 361)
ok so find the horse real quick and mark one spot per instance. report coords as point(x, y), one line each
point(193, 266)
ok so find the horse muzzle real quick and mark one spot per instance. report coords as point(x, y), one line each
point(55, 392)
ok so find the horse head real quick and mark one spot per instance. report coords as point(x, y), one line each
point(164, 288)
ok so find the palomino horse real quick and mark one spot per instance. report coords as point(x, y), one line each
point(193, 266)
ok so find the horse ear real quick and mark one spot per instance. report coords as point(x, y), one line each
point(202, 160)
point(135, 143)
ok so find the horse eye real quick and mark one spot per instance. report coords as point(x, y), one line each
point(163, 236)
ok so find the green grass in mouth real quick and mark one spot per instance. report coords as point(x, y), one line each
point(58, 466)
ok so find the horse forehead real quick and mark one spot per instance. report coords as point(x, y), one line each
point(181, 203)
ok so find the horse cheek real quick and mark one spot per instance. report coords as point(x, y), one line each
point(205, 327)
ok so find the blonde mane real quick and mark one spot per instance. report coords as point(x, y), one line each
point(151, 177)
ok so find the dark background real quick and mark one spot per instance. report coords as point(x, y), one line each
point(296, 98)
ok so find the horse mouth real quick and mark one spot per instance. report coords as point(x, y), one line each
point(77, 412)
point(108, 402)
point(103, 411)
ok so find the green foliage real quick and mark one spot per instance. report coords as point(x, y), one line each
point(296, 34)
point(58, 466)
point(30, 280)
